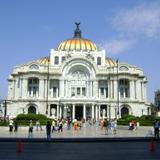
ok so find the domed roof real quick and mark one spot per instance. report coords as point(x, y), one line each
point(77, 43)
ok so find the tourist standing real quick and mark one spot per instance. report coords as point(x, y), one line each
point(69, 123)
point(10, 125)
point(30, 129)
point(61, 126)
point(75, 125)
point(48, 130)
point(53, 126)
point(156, 129)
point(38, 125)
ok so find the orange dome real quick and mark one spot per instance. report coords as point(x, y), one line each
point(78, 44)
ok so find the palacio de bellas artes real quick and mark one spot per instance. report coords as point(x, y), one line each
point(78, 80)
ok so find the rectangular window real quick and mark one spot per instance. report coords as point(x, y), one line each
point(84, 91)
point(63, 59)
point(102, 91)
point(106, 92)
point(73, 92)
point(78, 91)
point(98, 60)
point(29, 90)
point(34, 91)
point(54, 91)
point(121, 93)
point(56, 60)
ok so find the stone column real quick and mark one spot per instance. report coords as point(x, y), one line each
point(65, 111)
point(57, 111)
point(99, 93)
point(111, 89)
point(99, 111)
point(84, 111)
point(132, 90)
point(135, 90)
point(92, 111)
point(24, 88)
point(95, 88)
point(96, 112)
point(73, 111)
point(56, 92)
point(115, 89)
point(60, 107)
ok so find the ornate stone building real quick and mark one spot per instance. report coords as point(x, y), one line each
point(78, 80)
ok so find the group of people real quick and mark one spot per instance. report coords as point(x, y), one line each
point(50, 127)
point(13, 126)
point(108, 125)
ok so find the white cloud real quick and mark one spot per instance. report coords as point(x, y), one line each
point(117, 46)
point(143, 20)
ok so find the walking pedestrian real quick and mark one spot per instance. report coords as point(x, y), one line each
point(106, 126)
point(15, 126)
point(69, 123)
point(30, 129)
point(48, 130)
point(156, 129)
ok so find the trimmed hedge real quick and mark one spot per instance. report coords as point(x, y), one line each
point(31, 116)
point(145, 120)
point(24, 119)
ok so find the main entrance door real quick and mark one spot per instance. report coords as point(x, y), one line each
point(79, 112)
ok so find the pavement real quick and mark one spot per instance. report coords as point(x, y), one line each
point(87, 131)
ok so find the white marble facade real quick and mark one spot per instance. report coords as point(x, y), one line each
point(77, 80)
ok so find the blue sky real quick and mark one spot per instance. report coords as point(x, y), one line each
point(128, 30)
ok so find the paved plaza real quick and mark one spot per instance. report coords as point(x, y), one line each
point(87, 130)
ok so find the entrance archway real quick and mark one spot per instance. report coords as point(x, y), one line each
point(124, 111)
point(79, 112)
point(32, 109)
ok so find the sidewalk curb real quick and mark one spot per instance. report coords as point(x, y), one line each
point(80, 140)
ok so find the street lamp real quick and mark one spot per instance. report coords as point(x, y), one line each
point(117, 91)
point(47, 88)
point(4, 111)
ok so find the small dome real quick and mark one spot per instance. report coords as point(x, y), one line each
point(77, 43)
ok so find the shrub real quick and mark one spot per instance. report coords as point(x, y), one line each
point(147, 118)
point(129, 118)
point(31, 116)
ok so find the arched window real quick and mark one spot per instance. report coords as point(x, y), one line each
point(124, 111)
point(32, 109)
point(33, 66)
point(124, 88)
point(33, 87)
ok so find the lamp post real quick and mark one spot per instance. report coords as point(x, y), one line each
point(117, 115)
point(4, 111)
point(47, 88)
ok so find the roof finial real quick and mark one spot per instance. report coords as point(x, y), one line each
point(77, 32)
